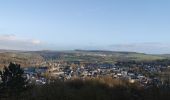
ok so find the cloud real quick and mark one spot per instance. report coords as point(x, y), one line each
point(11, 41)
point(35, 41)
point(8, 37)
point(148, 47)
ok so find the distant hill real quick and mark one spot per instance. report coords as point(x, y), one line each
point(3, 51)
point(23, 58)
point(103, 51)
point(33, 58)
point(125, 55)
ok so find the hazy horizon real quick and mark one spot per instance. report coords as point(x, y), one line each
point(115, 25)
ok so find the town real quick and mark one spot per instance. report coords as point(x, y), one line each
point(145, 74)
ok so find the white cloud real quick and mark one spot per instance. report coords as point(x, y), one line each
point(157, 48)
point(35, 41)
point(11, 41)
point(8, 37)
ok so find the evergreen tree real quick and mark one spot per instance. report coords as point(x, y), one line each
point(12, 80)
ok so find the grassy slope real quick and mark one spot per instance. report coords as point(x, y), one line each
point(25, 59)
point(93, 89)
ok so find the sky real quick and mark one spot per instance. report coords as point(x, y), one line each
point(117, 25)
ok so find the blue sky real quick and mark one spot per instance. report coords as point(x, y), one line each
point(123, 25)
